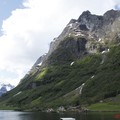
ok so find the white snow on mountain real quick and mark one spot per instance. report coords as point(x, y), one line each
point(5, 88)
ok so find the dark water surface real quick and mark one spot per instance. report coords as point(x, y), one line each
point(13, 115)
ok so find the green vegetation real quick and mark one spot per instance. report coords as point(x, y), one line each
point(109, 104)
point(106, 82)
point(104, 107)
point(56, 85)
point(41, 74)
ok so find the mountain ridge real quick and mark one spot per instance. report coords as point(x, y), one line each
point(74, 27)
point(81, 67)
point(5, 88)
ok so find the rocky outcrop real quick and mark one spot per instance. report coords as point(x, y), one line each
point(39, 61)
point(91, 22)
point(99, 29)
point(68, 50)
point(98, 33)
point(89, 34)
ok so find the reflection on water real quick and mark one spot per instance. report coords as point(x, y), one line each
point(13, 115)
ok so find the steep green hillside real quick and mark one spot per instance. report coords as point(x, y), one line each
point(106, 80)
point(57, 85)
point(81, 68)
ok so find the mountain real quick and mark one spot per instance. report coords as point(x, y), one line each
point(5, 88)
point(81, 68)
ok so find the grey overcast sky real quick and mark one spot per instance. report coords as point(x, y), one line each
point(28, 26)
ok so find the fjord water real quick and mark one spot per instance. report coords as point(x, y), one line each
point(13, 115)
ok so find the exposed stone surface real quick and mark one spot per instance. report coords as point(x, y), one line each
point(39, 61)
point(89, 34)
point(96, 29)
point(92, 22)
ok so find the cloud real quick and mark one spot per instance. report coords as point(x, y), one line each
point(27, 32)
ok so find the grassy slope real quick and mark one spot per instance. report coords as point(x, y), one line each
point(106, 82)
point(110, 104)
point(104, 107)
point(56, 81)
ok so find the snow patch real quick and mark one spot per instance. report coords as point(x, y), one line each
point(40, 64)
point(70, 25)
point(99, 39)
point(92, 76)
point(105, 51)
point(67, 118)
point(78, 34)
point(17, 93)
point(69, 34)
point(81, 87)
point(1, 86)
point(8, 88)
point(72, 63)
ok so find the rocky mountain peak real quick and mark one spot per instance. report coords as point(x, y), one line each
point(112, 14)
point(72, 21)
point(91, 21)
point(85, 14)
point(5, 88)
point(92, 32)
point(81, 67)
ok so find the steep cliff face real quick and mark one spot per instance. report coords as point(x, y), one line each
point(87, 53)
point(90, 32)
point(69, 49)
